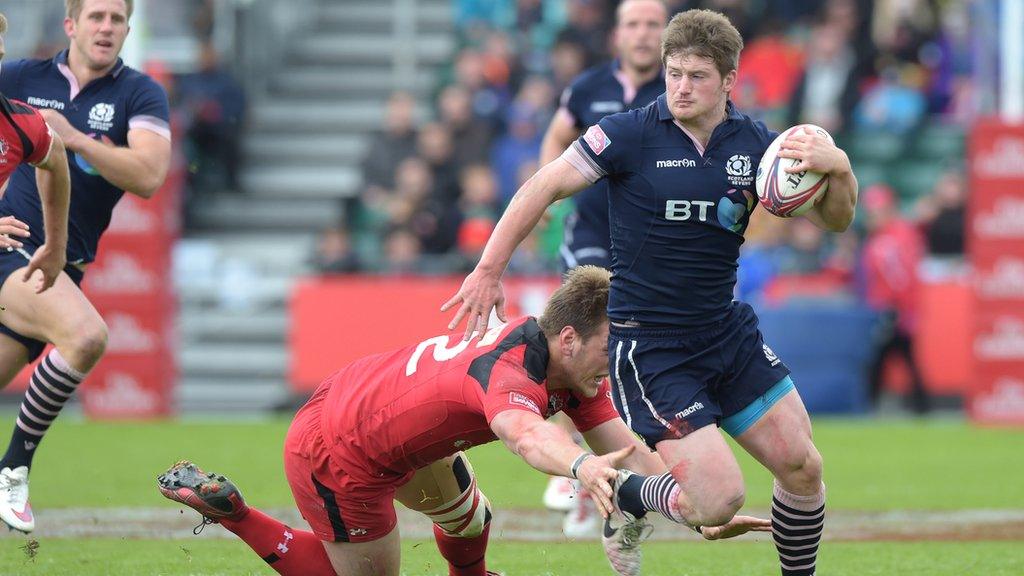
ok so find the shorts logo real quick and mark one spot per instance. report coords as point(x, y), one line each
point(462, 444)
point(356, 531)
point(4, 148)
point(596, 139)
point(282, 547)
point(101, 117)
point(738, 170)
point(770, 355)
point(693, 408)
point(523, 400)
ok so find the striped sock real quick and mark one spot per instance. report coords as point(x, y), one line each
point(797, 523)
point(53, 383)
point(661, 494)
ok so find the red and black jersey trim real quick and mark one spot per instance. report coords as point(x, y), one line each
point(11, 107)
point(535, 359)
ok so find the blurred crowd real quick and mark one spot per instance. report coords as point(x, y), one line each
point(435, 184)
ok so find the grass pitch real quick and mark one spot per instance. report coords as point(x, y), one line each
point(870, 466)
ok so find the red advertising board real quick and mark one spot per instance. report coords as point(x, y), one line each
point(996, 246)
point(337, 320)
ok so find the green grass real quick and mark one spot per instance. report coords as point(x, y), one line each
point(208, 557)
point(869, 465)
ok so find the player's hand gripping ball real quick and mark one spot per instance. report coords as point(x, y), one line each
point(785, 194)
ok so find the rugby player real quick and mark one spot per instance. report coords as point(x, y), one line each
point(113, 121)
point(685, 358)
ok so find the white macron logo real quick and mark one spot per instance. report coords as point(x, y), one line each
point(693, 408)
point(684, 163)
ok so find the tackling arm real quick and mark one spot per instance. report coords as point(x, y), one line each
point(615, 435)
point(549, 449)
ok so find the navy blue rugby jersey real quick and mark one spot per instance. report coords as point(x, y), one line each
point(105, 109)
point(597, 92)
point(678, 212)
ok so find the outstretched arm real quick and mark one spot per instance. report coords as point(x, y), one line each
point(550, 449)
point(481, 291)
point(615, 435)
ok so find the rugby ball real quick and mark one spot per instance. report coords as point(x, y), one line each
point(784, 194)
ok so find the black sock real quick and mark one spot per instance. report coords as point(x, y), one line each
point(630, 499)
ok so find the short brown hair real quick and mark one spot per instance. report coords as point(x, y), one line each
point(74, 8)
point(703, 33)
point(581, 302)
point(3, 23)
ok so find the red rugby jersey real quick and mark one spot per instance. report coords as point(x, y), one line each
point(24, 136)
point(404, 409)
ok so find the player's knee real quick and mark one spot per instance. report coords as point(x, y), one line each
point(468, 514)
point(90, 340)
point(803, 469)
point(466, 517)
point(720, 506)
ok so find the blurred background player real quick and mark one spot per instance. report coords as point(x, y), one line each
point(114, 122)
point(632, 80)
point(892, 254)
point(687, 357)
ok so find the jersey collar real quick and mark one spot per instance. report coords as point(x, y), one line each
point(61, 59)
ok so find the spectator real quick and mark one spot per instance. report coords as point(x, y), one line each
point(588, 27)
point(471, 140)
point(392, 145)
point(891, 256)
point(402, 252)
point(434, 145)
point(827, 91)
point(214, 106)
point(942, 215)
point(896, 103)
point(334, 253)
point(478, 208)
point(520, 145)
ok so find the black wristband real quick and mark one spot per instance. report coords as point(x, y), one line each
point(575, 468)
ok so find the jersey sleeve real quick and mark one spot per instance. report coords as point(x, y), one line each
point(148, 109)
point(592, 412)
point(607, 147)
point(40, 135)
point(512, 389)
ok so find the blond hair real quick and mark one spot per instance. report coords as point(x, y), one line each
point(3, 23)
point(703, 33)
point(73, 8)
point(581, 302)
